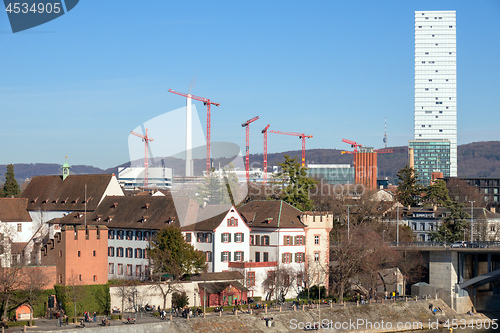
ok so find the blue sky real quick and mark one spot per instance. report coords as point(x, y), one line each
point(78, 85)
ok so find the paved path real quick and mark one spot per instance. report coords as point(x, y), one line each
point(45, 324)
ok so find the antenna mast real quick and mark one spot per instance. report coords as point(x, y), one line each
point(385, 133)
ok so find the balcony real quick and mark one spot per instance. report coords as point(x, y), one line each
point(247, 264)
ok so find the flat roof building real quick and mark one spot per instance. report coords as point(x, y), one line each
point(435, 82)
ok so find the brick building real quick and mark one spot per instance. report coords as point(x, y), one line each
point(79, 253)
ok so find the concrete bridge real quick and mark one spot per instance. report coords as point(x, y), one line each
point(463, 277)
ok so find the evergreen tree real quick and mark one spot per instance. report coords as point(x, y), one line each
point(436, 194)
point(212, 190)
point(408, 192)
point(454, 224)
point(10, 188)
point(297, 183)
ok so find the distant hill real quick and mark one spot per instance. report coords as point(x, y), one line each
point(478, 159)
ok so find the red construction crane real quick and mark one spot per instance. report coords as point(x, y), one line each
point(146, 140)
point(301, 136)
point(247, 160)
point(353, 144)
point(208, 103)
point(265, 153)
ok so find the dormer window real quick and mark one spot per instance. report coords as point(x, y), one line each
point(79, 215)
point(114, 205)
point(110, 218)
point(98, 218)
point(64, 201)
point(144, 219)
point(74, 202)
point(146, 206)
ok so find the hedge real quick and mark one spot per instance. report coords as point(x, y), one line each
point(91, 298)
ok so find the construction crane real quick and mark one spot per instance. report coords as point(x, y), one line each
point(146, 140)
point(353, 144)
point(301, 136)
point(208, 103)
point(247, 159)
point(264, 131)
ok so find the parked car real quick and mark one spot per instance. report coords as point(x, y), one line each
point(459, 244)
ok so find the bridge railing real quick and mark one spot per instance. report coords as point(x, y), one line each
point(478, 244)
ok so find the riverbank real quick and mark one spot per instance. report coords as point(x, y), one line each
point(388, 317)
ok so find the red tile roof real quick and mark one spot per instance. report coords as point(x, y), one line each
point(14, 210)
point(271, 214)
point(137, 212)
point(51, 193)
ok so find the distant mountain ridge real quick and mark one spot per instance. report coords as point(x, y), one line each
point(477, 159)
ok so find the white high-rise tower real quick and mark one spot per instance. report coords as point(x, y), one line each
point(436, 81)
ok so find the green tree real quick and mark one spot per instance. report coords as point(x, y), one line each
point(298, 185)
point(212, 190)
point(408, 192)
point(10, 187)
point(180, 299)
point(172, 255)
point(436, 194)
point(454, 224)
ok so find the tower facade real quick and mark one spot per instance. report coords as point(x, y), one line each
point(436, 83)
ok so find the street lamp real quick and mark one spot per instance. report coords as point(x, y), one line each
point(397, 226)
point(471, 218)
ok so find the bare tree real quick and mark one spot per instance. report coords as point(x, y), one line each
point(10, 282)
point(34, 284)
point(165, 288)
point(377, 257)
point(411, 265)
point(125, 291)
point(347, 255)
point(279, 281)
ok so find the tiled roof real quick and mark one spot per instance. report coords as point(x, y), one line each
point(51, 193)
point(209, 224)
point(139, 212)
point(218, 287)
point(271, 214)
point(14, 210)
point(218, 276)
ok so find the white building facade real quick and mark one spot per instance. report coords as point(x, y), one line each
point(436, 80)
point(223, 239)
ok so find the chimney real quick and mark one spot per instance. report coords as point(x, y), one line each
point(189, 137)
point(411, 159)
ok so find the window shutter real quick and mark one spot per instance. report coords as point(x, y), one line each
point(242, 237)
point(222, 256)
point(235, 255)
point(235, 237)
point(304, 240)
point(296, 257)
point(242, 256)
point(229, 238)
point(229, 256)
point(222, 238)
point(282, 257)
point(284, 240)
point(296, 240)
